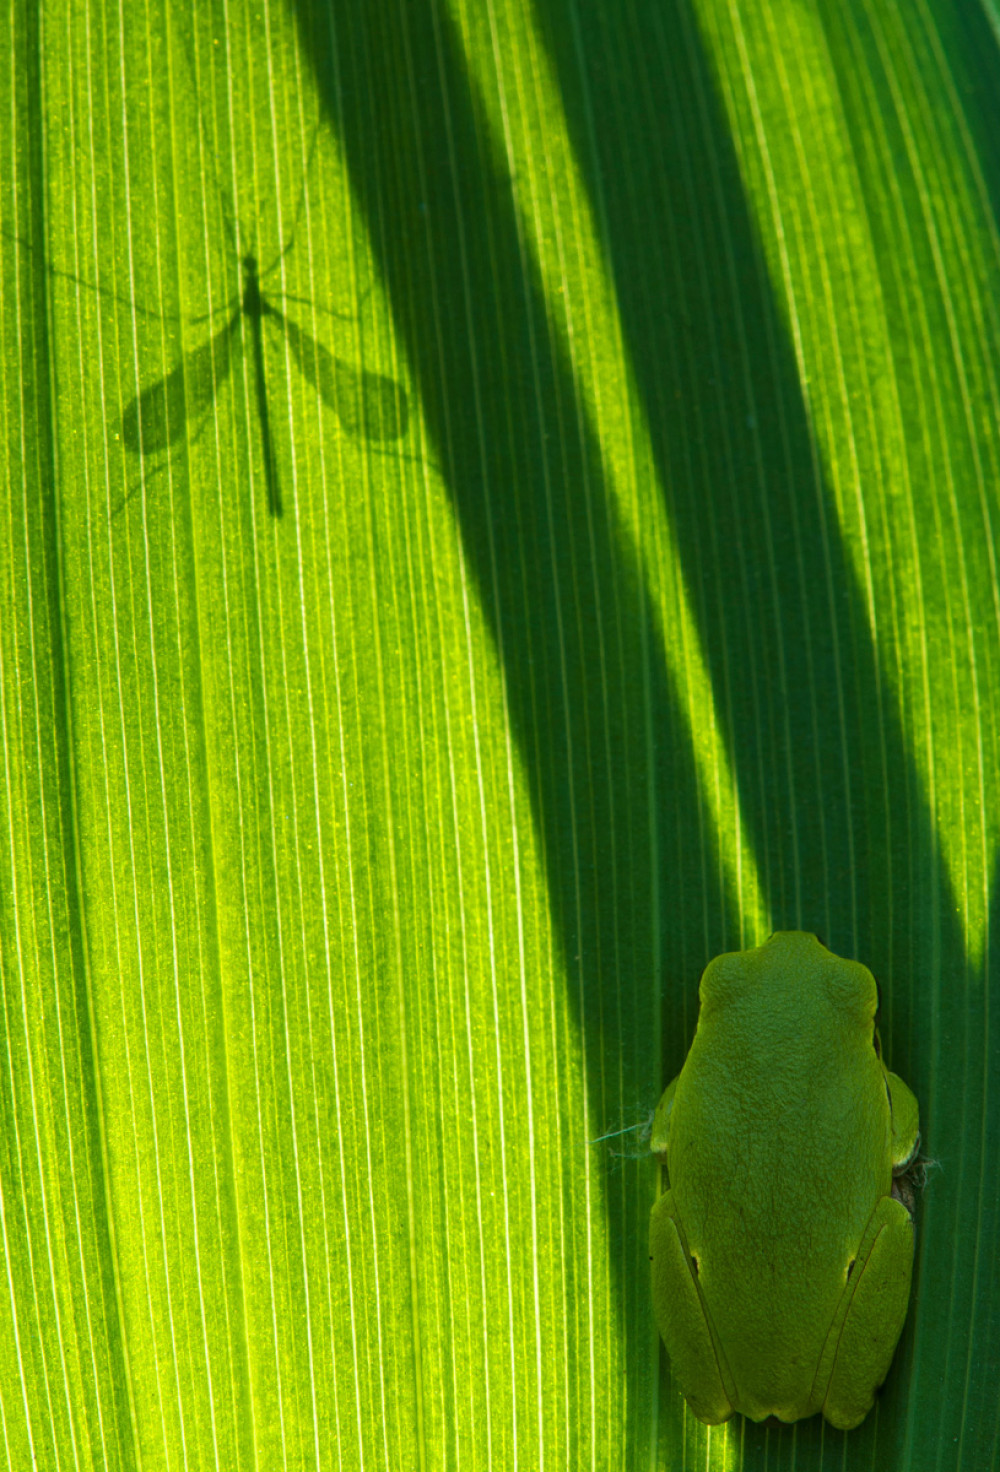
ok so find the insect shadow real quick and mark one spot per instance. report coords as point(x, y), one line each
point(368, 405)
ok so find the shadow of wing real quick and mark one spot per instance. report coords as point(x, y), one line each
point(159, 415)
point(368, 405)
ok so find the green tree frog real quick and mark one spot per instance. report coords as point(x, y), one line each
point(783, 1247)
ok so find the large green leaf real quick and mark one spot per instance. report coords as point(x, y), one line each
point(631, 382)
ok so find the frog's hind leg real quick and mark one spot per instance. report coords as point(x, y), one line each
point(680, 1315)
point(869, 1319)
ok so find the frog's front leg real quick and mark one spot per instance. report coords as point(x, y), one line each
point(680, 1314)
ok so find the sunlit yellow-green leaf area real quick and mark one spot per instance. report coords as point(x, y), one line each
point(501, 504)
